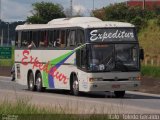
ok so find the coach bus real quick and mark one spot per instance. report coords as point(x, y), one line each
point(80, 54)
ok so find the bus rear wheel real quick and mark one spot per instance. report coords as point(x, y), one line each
point(119, 94)
point(31, 85)
point(39, 85)
point(75, 86)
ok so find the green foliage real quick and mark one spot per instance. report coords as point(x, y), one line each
point(139, 22)
point(116, 12)
point(157, 10)
point(121, 12)
point(158, 20)
point(44, 12)
point(149, 38)
point(151, 71)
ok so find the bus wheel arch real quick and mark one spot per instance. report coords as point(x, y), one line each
point(38, 81)
point(31, 81)
point(74, 84)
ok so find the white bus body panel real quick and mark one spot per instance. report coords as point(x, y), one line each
point(83, 77)
point(44, 56)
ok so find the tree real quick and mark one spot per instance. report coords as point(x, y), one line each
point(122, 12)
point(116, 12)
point(99, 14)
point(44, 12)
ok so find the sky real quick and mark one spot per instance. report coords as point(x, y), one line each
point(18, 10)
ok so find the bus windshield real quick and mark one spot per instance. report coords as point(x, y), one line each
point(113, 57)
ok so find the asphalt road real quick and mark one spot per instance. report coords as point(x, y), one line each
point(104, 102)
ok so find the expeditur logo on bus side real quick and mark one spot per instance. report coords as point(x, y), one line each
point(50, 69)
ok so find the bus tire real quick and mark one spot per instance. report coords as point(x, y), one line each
point(31, 85)
point(119, 94)
point(39, 85)
point(75, 86)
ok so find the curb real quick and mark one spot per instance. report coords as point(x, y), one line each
point(141, 93)
point(5, 77)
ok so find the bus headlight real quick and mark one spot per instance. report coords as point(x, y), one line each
point(139, 77)
point(95, 79)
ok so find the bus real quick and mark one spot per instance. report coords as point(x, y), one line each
point(80, 54)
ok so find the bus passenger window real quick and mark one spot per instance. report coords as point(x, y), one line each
point(19, 39)
point(16, 39)
point(51, 38)
point(71, 38)
point(80, 37)
point(44, 39)
point(63, 38)
point(57, 38)
point(57, 43)
point(24, 39)
point(35, 38)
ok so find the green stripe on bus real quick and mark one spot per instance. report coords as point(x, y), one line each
point(56, 61)
point(52, 64)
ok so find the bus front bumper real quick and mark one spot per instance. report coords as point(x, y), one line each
point(114, 85)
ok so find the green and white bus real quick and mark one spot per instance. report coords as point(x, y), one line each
point(80, 54)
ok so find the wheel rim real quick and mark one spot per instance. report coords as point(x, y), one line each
point(75, 86)
point(38, 82)
point(31, 82)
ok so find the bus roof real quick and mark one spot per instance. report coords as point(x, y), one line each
point(83, 22)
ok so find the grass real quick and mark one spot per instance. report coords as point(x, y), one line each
point(151, 71)
point(149, 38)
point(23, 110)
point(6, 62)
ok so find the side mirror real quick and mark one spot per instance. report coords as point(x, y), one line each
point(141, 54)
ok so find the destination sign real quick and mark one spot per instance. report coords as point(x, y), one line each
point(103, 35)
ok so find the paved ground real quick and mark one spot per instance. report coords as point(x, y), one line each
point(148, 85)
point(134, 102)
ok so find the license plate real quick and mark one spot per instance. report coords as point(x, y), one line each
point(116, 86)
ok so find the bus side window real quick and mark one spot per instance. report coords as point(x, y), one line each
point(35, 38)
point(57, 40)
point(80, 37)
point(51, 38)
point(24, 41)
point(44, 39)
point(31, 41)
point(18, 39)
point(63, 38)
point(71, 38)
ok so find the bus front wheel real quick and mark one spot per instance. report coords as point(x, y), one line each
point(75, 86)
point(39, 85)
point(119, 94)
point(31, 85)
